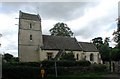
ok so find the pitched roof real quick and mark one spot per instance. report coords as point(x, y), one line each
point(60, 43)
point(29, 16)
point(88, 47)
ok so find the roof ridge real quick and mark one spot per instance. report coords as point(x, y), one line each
point(86, 42)
point(59, 36)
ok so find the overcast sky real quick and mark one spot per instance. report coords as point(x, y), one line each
point(87, 20)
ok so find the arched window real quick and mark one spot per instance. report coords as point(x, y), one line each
point(91, 57)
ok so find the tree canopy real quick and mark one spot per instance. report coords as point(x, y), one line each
point(10, 58)
point(61, 29)
point(115, 54)
point(98, 41)
point(103, 47)
point(117, 34)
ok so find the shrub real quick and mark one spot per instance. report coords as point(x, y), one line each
point(32, 70)
point(66, 63)
point(84, 63)
point(31, 64)
point(98, 68)
point(21, 72)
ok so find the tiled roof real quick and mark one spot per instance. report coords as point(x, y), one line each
point(60, 43)
point(88, 47)
point(29, 16)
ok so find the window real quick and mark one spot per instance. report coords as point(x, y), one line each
point(77, 55)
point(30, 26)
point(31, 37)
point(49, 56)
point(91, 57)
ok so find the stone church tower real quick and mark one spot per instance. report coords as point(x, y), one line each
point(29, 37)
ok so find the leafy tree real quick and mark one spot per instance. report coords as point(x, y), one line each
point(98, 41)
point(61, 29)
point(106, 41)
point(68, 56)
point(8, 57)
point(117, 34)
point(116, 51)
point(15, 59)
point(115, 54)
point(103, 47)
point(105, 53)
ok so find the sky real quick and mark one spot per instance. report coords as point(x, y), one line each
point(86, 19)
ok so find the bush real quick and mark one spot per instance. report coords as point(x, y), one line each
point(98, 68)
point(20, 72)
point(66, 63)
point(84, 63)
point(32, 70)
point(51, 63)
point(31, 64)
point(115, 54)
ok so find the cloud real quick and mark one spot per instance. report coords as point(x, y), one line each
point(95, 20)
point(61, 11)
point(86, 19)
point(9, 32)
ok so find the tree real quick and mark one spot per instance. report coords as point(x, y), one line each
point(103, 47)
point(117, 34)
point(106, 41)
point(105, 52)
point(61, 29)
point(115, 54)
point(98, 41)
point(68, 56)
point(8, 57)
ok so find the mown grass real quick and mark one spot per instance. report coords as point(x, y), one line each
point(81, 75)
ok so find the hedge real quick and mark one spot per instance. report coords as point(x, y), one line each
point(50, 63)
point(20, 72)
point(98, 68)
point(66, 63)
point(31, 64)
point(32, 70)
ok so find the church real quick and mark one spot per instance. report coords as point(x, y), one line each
point(35, 47)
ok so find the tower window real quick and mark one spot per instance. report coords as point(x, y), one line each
point(31, 37)
point(30, 26)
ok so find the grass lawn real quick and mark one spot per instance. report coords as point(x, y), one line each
point(89, 75)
